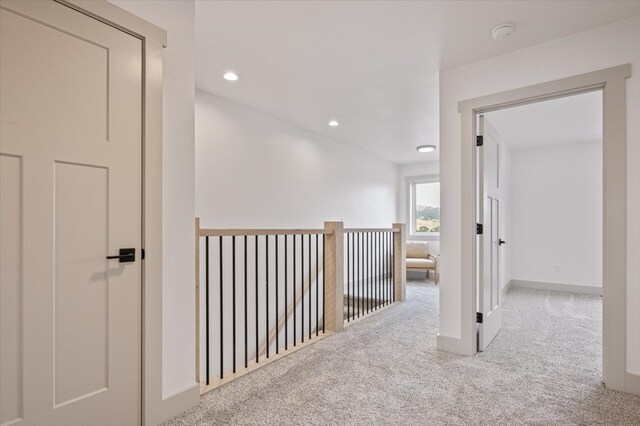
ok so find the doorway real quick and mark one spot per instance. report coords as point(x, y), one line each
point(612, 83)
point(422, 211)
point(540, 203)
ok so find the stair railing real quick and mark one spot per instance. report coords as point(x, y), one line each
point(262, 294)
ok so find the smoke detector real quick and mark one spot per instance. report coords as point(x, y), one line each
point(502, 31)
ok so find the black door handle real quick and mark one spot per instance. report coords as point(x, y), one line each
point(501, 242)
point(127, 255)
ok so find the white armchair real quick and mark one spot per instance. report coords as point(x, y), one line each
point(419, 258)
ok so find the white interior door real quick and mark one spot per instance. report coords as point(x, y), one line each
point(489, 297)
point(70, 194)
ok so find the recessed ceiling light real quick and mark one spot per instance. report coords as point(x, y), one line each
point(426, 148)
point(230, 76)
point(502, 31)
point(333, 123)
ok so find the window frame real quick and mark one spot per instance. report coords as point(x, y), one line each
point(411, 182)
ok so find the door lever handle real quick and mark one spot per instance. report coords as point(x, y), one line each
point(501, 242)
point(127, 255)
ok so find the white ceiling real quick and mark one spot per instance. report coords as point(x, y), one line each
point(373, 66)
point(571, 119)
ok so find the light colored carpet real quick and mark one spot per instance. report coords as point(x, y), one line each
point(542, 369)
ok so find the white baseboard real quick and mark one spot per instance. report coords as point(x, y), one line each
point(180, 402)
point(506, 288)
point(632, 383)
point(451, 344)
point(569, 288)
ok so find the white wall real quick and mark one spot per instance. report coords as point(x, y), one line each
point(411, 170)
point(556, 214)
point(591, 50)
point(178, 353)
point(506, 225)
point(255, 171)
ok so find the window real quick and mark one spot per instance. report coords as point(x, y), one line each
point(424, 206)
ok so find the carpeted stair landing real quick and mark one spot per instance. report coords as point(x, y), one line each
point(542, 369)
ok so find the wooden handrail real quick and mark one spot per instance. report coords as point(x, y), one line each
point(204, 232)
point(354, 230)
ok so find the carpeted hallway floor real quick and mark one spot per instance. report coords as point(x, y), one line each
point(542, 369)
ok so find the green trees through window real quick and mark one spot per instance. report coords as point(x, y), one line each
point(427, 207)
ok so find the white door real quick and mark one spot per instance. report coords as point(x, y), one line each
point(489, 297)
point(70, 195)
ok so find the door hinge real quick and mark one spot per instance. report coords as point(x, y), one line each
point(479, 140)
point(142, 254)
point(479, 228)
point(479, 317)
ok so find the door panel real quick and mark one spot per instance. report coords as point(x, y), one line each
point(489, 301)
point(491, 160)
point(72, 71)
point(495, 253)
point(70, 145)
point(81, 281)
point(11, 288)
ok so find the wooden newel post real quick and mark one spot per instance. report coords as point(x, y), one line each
point(334, 276)
point(399, 264)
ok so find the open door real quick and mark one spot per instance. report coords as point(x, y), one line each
point(489, 196)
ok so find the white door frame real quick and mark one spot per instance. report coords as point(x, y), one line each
point(612, 82)
point(154, 39)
